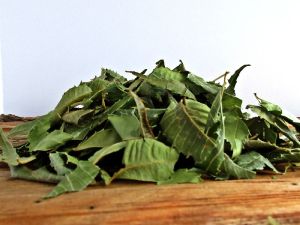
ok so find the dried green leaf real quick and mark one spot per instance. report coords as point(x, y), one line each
point(74, 116)
point(8, 153)
point(76, 180)
point(147, 160)
point(254, 161)
point(127, 126)
point(52, 140)
point(236, 133)
point(99, 139)
point(183, 176)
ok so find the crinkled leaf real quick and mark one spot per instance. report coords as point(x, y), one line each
point(188, 137)
point(97, 84)
point(261, 129)
point(147, 160)
point(111, 75)
point(8, 153)
point(76, 180)
point(173, 86)
point(199, 112)
point(58, 164)
point(276, 122)
point(274, 153)
point(281, 156)
point(259, 145)
point(183, 176)
point(41, 174)
point(270, 107)
point(254, 161)
point(231, 169)
point(99, 139)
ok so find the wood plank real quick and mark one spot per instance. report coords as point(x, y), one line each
point(212, 202)
point(7, 126)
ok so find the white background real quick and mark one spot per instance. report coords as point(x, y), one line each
point(49, 46)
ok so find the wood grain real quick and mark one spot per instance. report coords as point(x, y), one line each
point(212, 202)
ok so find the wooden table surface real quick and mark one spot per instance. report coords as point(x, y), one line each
point(211, 202)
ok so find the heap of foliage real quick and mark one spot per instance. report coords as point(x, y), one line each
point(170, 126)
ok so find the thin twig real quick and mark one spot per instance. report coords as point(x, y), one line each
point(219, 77)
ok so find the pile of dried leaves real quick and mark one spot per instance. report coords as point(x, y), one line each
point(170, 126)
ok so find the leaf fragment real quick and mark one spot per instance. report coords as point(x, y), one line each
point(8, 153)
point(183, 176)
point(76, 180)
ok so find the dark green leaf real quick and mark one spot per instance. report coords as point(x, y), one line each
point(233, 79)
point(276, 122)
